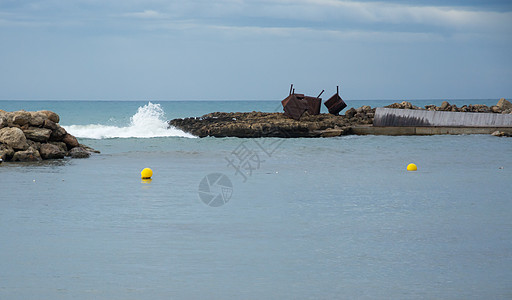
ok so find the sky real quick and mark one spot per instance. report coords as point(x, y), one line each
point(254, 50)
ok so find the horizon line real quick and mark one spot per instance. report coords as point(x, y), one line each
point(242, 100)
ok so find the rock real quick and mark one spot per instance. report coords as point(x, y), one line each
point(61, 145)
point(38, 134)
point(496, 109)
point(3, 119)
point(79, 152)
point(257, 124)
point(27, 155)
point(501, 134)
point(366, 108)
point(13, 137)
point(89, 149)
point(406, 105)
point(33, 136)
point(20, 117)
point(333, 132)
point(3, 122)
point(445, 105)
point(402, 105)
point(51, 115)
point(50, 124)
point(6, 152)
point(481, 108)
point(34, 145)
point(37, 119)
point(350, 113)
point(49, 151)
point(394, 105)
point(70, 141)
point(58, 133)
point(504, 104)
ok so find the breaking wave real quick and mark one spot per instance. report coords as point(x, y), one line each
point(148, 122)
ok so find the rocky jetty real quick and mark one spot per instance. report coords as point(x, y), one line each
point(35, 136)
point(259, 124)
point(502, 107)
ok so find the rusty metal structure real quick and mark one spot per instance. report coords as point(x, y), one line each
point(295, 105)
point(335, 104)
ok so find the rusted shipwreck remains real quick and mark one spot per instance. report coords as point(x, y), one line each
point(295, 105)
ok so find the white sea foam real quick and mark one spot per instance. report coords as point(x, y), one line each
point(148, 122)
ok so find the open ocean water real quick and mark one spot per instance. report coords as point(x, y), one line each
point(328, 218)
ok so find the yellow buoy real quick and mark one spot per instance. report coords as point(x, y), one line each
point(146, 173)
point(412, 167)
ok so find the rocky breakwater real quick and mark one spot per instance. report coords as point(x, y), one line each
point(407, 119)
point(35, 136)
point(260, 124)
point(502, 107)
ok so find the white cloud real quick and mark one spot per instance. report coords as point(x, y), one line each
point(273, 16)
point(344, 18)
point(146, 14)
point(379, 13)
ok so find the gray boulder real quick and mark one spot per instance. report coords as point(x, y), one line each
point(13, 137)
point(70, 141)
point(49, 151)
point(37, 119)
point(350, 113)
point(79, 152)
point(61, 145)
point(34, 145)
point(51, 115)
point(89, 149)
point(58, 133)
point(27, 155)
point(3, 118)
point(20, 118)
point(38, 134)
point(49, 124)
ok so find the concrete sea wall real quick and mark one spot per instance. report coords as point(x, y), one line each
point(391, 117)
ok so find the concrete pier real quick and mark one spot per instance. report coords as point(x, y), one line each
point(420, 130)
point(415, 117)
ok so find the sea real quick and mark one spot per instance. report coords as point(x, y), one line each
point(267, 218)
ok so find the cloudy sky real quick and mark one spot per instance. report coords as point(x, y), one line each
point(253, 50)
